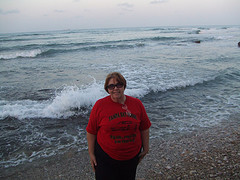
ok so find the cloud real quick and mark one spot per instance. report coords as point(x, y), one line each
point(126, 6)
point(13, 11)
point(158, 1)
point(59, 11)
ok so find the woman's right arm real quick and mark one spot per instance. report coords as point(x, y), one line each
point(91, 138)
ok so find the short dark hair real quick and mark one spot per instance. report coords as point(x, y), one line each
point(115, 75)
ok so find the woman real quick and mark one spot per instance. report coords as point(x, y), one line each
point(117, 132)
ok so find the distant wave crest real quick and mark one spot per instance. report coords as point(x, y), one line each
point(49, 49)
point(21, 54)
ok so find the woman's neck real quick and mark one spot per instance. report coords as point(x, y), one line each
point(120, 100)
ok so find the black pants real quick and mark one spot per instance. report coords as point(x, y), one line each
point(111, 169)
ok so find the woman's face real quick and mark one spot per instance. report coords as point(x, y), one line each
point(117, 94)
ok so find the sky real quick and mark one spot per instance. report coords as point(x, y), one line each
point(45, 15)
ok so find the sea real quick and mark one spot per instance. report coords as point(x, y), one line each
point(188, 78)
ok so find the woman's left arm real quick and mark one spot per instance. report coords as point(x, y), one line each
point(145, 143)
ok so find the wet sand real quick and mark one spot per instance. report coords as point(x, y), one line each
point(207, 153)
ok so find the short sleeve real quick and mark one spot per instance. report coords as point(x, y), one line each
point(92, 126)
point(145, 122)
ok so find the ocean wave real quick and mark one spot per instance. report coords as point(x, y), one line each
point(167, 29)
point(198, 31)
point(51, 52)
point(15, 39)
point(197, 40)
point(49, 49)
point(73, 100)
point(160, 38)
point(63, 104)
point(20, 54)
point(34, 50)
point(58, 49)
point(25, 40)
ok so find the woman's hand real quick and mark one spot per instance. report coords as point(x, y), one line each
point(91, 138)
point(93, 161)
point(145, 144)
point(141, 155)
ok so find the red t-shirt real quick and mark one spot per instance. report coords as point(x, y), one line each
point(118, 133)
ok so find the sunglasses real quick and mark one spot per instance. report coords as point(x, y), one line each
point(112, 86)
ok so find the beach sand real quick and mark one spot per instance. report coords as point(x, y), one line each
point(207, 153)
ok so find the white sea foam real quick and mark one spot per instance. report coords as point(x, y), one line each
point(61, 106)
point(72, 97)
point(20, 54)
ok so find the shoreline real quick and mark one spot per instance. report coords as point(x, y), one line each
point(211, 153)
point(207, 153)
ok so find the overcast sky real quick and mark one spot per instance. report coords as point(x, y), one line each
point(44, 15)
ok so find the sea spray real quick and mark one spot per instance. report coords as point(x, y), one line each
point(62, 105)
